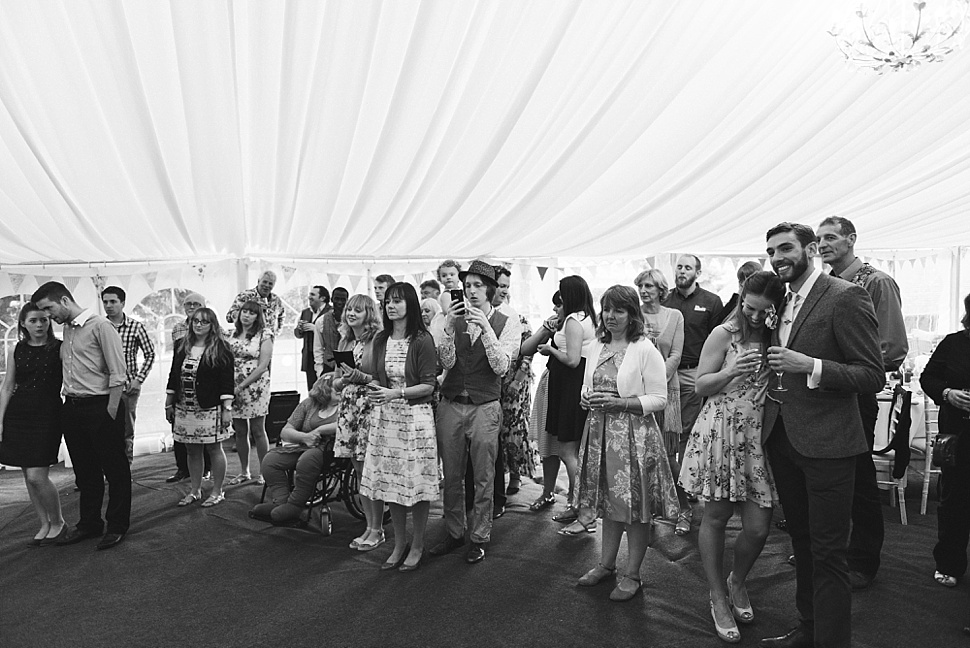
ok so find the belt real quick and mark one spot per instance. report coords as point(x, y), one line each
point(688, 365)
point(84, 400)
point(467, 400)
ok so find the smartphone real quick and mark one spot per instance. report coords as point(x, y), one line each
point(457, 295)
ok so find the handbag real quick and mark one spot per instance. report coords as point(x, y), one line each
point(945, 450)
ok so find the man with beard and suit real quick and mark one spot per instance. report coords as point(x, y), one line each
point(828, 348)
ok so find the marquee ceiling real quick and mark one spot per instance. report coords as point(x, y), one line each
point(151, 130)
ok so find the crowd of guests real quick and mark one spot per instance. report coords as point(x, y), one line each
point(653, 398)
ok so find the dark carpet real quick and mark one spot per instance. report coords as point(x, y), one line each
point(214, 577)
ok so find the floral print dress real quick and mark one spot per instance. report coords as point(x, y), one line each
point(353, 416)
point(724, 459)
point(516, 406)
point(624, 474)
point(253, 401)
point(401, 463)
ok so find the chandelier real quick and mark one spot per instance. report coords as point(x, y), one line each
point(899, 35)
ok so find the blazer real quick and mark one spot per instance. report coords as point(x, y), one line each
point(640, 375)
point(837, 325)
point(211, 383)
point(306, 315)
point(420, 367)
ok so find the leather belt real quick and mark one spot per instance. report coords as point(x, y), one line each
point(688, 365)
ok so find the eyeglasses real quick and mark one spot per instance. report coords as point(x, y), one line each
point(202, 322)
point(191, 304)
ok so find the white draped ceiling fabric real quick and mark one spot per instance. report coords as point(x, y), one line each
point(145, 130)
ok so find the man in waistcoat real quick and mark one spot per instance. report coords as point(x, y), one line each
point(477, 348)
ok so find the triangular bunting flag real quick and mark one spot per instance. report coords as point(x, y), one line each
point(150, 278)
point(16, 280)
point(288, 272)
point(333, 279)
point(71, 283)
point(542, 271)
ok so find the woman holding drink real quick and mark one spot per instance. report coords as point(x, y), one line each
point(724, 463)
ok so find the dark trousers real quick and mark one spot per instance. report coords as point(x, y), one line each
point(498, 485)
point(953, 514)
point(865, 543)
point(97, 446)
point(182, 459)
point(311, 377)
point(817, 497)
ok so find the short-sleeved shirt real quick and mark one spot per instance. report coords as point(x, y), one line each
point(700, 310)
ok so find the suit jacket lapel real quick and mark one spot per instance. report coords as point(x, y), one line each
point(814, 296)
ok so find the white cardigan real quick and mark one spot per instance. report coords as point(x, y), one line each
point(641, 374)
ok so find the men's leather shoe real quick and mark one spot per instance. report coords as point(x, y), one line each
point(498, 512)
point(859, 581)
point(177, 477)
point(796, 638)
point(791, 560)
point(447, 545)
point(74, 536)
point(110, 540)
point(476, 553)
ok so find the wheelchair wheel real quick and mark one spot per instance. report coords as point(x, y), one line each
point(351, 496)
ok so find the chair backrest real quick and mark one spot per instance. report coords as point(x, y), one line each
point(900, 422)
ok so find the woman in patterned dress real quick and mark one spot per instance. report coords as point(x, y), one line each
point(30, 426)
point(624, 476)
point(401, 464)
point(359, 323)
point(252, 348)
point(198, 400)
point(665, 328)
point(516, 399)
point(725, 464)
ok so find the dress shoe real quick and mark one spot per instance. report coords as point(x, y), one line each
point(110, 540)
point(409, 568)
point(447, 545)
point(791, 560)
point(389, 565)
point(177, 477)
point(796, 638)
point(498, 512)
point(476, 553)
point(75, 535)
point(859, 581)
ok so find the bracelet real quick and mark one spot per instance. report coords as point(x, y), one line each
point(402, 392)
point(167, 405)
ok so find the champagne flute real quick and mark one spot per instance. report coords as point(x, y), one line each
point(780, 387)
point(756, 376)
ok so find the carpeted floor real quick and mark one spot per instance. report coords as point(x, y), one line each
point(214, 577)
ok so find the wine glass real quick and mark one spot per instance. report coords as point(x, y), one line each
point(756, 376)
point(780, 387)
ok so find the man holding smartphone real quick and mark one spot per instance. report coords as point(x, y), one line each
point(477, 348)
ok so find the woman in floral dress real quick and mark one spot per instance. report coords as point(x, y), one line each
point(725, 464)
point(359, 324)
point(198, 401)
point(252, 348)
point(624, 475)
point(401, 464)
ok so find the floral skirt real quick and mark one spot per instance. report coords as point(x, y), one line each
point(196, 425)
point(401, 462)
point(353, 423)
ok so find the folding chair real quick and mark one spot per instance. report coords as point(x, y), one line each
point(895, 456)
point(923, 447)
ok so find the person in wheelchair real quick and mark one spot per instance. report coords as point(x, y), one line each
point(306, 448)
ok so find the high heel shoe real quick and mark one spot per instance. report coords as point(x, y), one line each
point(729, 634)
point(744, 615)
point(682, 527)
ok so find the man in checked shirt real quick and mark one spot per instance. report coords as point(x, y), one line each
point(133, 337)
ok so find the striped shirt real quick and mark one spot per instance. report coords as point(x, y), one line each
point(135, 337)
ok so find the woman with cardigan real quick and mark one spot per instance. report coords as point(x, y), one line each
point(198, 401)
point(624, 477)
point(401, 464)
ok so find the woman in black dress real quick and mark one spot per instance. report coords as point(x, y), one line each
point(30, 405)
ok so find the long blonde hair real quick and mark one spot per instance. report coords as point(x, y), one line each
point(372, 319)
